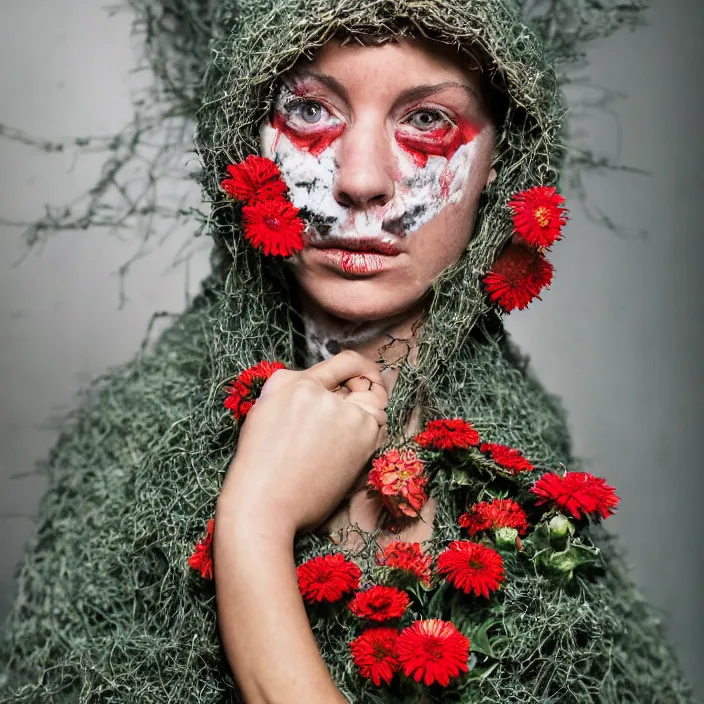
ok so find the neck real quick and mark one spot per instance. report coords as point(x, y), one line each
point(389, 340)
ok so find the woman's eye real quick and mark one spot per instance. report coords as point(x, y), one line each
point(427, 120)
point(310, 111)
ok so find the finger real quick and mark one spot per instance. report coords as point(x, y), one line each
point(363, 384)
point(341, 391)
point(379, 416)
point(367, 397)
point(342, 367)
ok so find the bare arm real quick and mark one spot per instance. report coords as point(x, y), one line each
point(301, 448)
point(262, 619)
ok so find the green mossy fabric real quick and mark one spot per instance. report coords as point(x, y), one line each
point(107, 608)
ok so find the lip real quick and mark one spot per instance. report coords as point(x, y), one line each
point(364, 245)
point(354, 263)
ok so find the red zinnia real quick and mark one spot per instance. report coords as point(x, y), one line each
point(490, 515)
point(327, 578)
point(579, 493)
point(538, 215)
point(408, 557)
point(517, 277)
point(379, 603)
point(398, 476)
point(202, 559)
point(448, 434)
point(507, 457)
point(432, 651)
point(471, 567)
point(244, 390)
point(374, 653)
point(254, 178)
point(273, 226)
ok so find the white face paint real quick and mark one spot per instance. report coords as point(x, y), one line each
point(420, 192)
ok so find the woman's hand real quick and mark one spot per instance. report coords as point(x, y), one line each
point(301, 448)
point(303, 444)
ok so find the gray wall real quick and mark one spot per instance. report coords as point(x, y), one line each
point(618, 335)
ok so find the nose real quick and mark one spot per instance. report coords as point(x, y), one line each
point(365, 166)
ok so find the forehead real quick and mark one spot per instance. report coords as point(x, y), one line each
point(401, 63)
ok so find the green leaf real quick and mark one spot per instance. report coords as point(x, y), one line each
point(479, 639)
point(459, 477)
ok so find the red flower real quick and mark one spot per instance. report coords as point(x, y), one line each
point(450, 434)
point(374, 653)
point(578, 493)
point(254, 178)
point(432, 651)
point(490, 515)
point(408, 557)
point(471, 567)
point(507, 457)
point(538, 215)
point(273, 226)
point(243, 392)
point(202, 559)
point(517, 277)
point(379, 603)
point(327, 578)
point(398, 476)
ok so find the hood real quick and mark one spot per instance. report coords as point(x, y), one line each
point(239, 89)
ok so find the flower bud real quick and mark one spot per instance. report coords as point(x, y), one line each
point(506, 538)
point(560, 528)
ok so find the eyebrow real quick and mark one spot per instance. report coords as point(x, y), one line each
point(415, 93)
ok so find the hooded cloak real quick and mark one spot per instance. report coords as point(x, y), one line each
point(107, 608)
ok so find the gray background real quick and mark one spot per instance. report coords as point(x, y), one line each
point(618, 335)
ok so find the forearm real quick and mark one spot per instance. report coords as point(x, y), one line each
point(263, 623)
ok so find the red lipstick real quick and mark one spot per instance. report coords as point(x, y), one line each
point(356, 257)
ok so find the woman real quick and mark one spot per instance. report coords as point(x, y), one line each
point(399, 147)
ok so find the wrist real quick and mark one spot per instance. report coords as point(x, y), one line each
point(249, 524)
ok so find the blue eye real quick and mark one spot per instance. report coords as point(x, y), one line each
point(309, 111)
point(427, 119)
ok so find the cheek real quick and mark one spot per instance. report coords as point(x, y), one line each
point(420, 145)
point(441, 241)
point(309, 178)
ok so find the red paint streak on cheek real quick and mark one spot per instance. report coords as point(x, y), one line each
point(313, 142)
point(445, 181)
point(420, 145)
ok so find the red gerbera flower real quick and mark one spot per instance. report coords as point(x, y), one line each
point(374, 653)
point(471, 567)
point(507, 457)
point(398, 476)
point(432, 651)
point(379, 603)
point(202, 558)
point(327, 578)
point(538, 215)
point(517, 277)
point(273, 226)
point(255, 178)
point(578, 493)
point(408, 557)
point(448, 434)
point(243, 391)
point(490, 515)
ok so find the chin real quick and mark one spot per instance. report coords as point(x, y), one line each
point(359, 300)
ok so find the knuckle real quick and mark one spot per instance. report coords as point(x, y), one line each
point(350, 354)
point(304, 388)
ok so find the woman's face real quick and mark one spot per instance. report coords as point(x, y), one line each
point(386, 150)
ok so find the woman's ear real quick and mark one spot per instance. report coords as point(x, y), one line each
point(491, 176)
